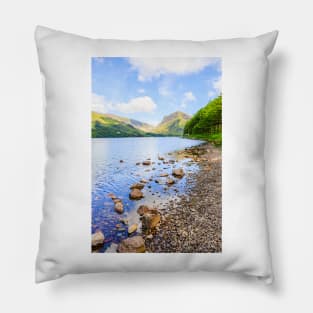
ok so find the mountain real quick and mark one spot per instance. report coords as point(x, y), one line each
point(110, 125)
point(173, 124)
point(104, 125)
point(137, 124)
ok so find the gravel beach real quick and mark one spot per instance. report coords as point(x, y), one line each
point(193, 222)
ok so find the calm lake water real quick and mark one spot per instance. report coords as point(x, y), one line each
point(110, 175)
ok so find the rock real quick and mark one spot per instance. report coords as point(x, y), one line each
point(134, 244)
point(138, 163)
point(132, 228)
point(118, 207)
point(170, 181)
point(178, 172)
point(149, 236)
point(146, 162)
point(136, 194)
point(137, 186)
point(150, 220)
point(112, 196)
point(97, 239)
point(121, 161)
point(163, 175)
point(124, 221)
point(144, 181)
point(143, 209)
point(160, 158)
point(117, 200)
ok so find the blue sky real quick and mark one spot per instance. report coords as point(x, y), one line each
point(147, 89)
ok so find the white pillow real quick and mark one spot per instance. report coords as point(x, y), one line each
point(146, 80)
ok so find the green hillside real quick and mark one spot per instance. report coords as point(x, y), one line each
point(105, 126)
point(109, 125)
point(173, 124)
point(137, 124)
point(207, 123)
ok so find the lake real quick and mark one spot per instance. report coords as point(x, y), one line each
point(115, 168)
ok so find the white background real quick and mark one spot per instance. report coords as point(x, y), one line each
point(288, 152)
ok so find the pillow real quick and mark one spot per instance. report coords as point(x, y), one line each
point(139, 176)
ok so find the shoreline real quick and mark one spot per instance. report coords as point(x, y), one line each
point(193, 224)
point(186, 222)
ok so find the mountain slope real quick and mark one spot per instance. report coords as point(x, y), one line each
point(173, 124)
point(104, 126)
point(137, 124)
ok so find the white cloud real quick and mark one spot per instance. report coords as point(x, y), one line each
point(139, 104)
point(154, 67)
point(99, 104)
point(216, 86)
point(187, 97)
point(141, 90)
point(164, 90)
point(211, 94)
point(134, 105)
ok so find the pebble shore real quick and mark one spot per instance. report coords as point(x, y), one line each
point(193, 223)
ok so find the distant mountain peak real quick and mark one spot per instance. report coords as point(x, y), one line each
point(175, 115)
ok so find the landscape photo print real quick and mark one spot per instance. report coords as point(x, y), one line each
point(156, 136)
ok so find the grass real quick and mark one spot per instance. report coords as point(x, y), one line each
point(215, 139)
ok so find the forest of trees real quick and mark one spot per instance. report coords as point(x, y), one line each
point(207, 123)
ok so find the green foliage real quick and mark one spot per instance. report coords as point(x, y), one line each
point(103, 126)
point(109, 125)
point(207, 123)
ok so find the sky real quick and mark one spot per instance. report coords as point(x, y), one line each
point(147, 89)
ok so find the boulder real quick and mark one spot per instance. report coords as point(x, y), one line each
point(160, 158)
point(143, 209)
point(137, 186)
point(134, 244)
point(146, 162)
point(119, 208)
point(170, 181)
point(136, 194)
point(150, 220)
point(178, 172)
point(132, 228)
point(143, 181)
point(163, 175)
point(97, 239)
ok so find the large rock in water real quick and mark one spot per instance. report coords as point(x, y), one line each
point(119, 208)
point(132, 228)
point(136, 194)
point(134, 244)
point(146, 162)
point(170, 181)
point(97, 239)
point(178, 172)
point(137, 186)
